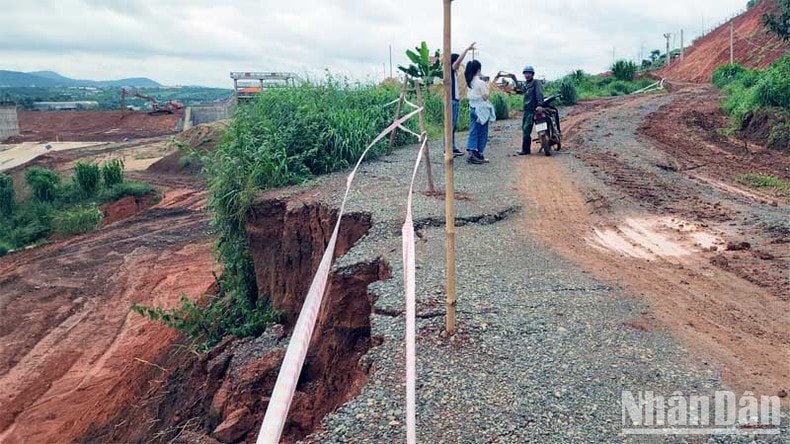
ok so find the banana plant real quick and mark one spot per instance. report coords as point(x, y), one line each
point(423, 66)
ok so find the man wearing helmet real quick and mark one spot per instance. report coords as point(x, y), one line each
point(533, 97)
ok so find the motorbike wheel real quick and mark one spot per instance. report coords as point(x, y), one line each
point(545, 144)
point(559, 142)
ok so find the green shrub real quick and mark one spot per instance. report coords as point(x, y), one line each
point(619, 88)
point(7, 200)
point(43, 182)
point(112, 172)
point(568, 92)
point(30, 223)
point(77, 220)
point(87, 177)
point(114, 193)
point(500, 106)
point(624, 70)
point(4, 249)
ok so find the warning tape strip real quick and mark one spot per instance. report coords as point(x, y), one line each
point(410, 286)
point(280, 403)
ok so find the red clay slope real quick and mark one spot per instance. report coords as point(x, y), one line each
point(753, 46)
point(93, 125)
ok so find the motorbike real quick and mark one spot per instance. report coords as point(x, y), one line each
point(547, 126)
point(547, 117)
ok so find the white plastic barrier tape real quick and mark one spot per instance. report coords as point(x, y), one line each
point(280, 403)
point(410, 286)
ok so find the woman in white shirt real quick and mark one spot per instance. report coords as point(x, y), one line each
point(480, 112)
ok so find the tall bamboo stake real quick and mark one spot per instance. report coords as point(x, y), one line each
point(398, 109)
point(448, 169)
point(428, 170)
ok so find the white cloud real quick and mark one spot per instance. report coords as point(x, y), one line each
point(200, 41)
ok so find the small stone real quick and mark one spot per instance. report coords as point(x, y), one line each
point(782, 393)
point(236, 425)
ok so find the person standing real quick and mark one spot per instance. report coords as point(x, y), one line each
point(533, 97)
point(481, 112)
point(455, 64)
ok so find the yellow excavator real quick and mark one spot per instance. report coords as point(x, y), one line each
point(157, 108)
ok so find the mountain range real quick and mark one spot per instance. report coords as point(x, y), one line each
point(49, 79)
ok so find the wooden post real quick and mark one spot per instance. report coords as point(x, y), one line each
point(449, 187)
point(398, 109)
point(428, 170)
point(732, 31)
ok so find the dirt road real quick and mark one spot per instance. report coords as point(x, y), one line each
point(645, 197)
point(71, 348)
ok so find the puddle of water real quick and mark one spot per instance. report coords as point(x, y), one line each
point(649, 238)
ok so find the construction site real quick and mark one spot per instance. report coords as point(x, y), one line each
point(632, 259)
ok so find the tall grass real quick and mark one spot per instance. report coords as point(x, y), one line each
point(77, 220)
point(748, 90)
point(87, 177)
point(112, 172)
point(624, 70)
point(43, 182)
point(501, 106)
point(285, 137)
point(7, 199)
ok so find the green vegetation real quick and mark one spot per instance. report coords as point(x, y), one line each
point(77, 220)
point(112, 172)
point(568, 92)
point(779, 24)
point(422, 65)
point(764, 94)
point(287, 136)
point(501, 106)
point(109, 98)
point(56, 207)
point(7, 200)
point(757, 180)
point(624, 70)
point(586, 86)
point(87, 177)
point(44, 183)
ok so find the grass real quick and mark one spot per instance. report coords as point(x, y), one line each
point(57, 207)
point(77, 220)
point(757, 180)
point(287, 136)
point(748, 90)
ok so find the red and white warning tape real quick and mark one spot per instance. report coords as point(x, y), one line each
point(280, 403)
point(410, 286)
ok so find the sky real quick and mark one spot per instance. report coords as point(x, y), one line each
point(199, 42)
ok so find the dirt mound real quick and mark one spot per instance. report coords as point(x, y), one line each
point(769, 127)
point(125, 208)
point(753, 47)
point(92, 125)
point(201, 138)
point(224, 394)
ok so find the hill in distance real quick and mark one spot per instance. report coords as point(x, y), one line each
point(50, 79)
point(753, 47)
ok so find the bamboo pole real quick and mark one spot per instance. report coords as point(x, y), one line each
point(398, 109)
point(423, 131)
point(448, 169)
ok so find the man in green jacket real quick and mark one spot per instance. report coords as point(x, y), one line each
point(533, 97)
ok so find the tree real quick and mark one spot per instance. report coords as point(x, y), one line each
point(654, 55)
point(423, 66)
point(779, 23)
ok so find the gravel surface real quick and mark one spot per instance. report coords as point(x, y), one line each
point(542, 353)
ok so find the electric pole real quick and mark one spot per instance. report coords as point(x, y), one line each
point(669, 56)
point(390, 61)
point(682, 48)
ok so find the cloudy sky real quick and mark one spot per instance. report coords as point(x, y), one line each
point(200, 42)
